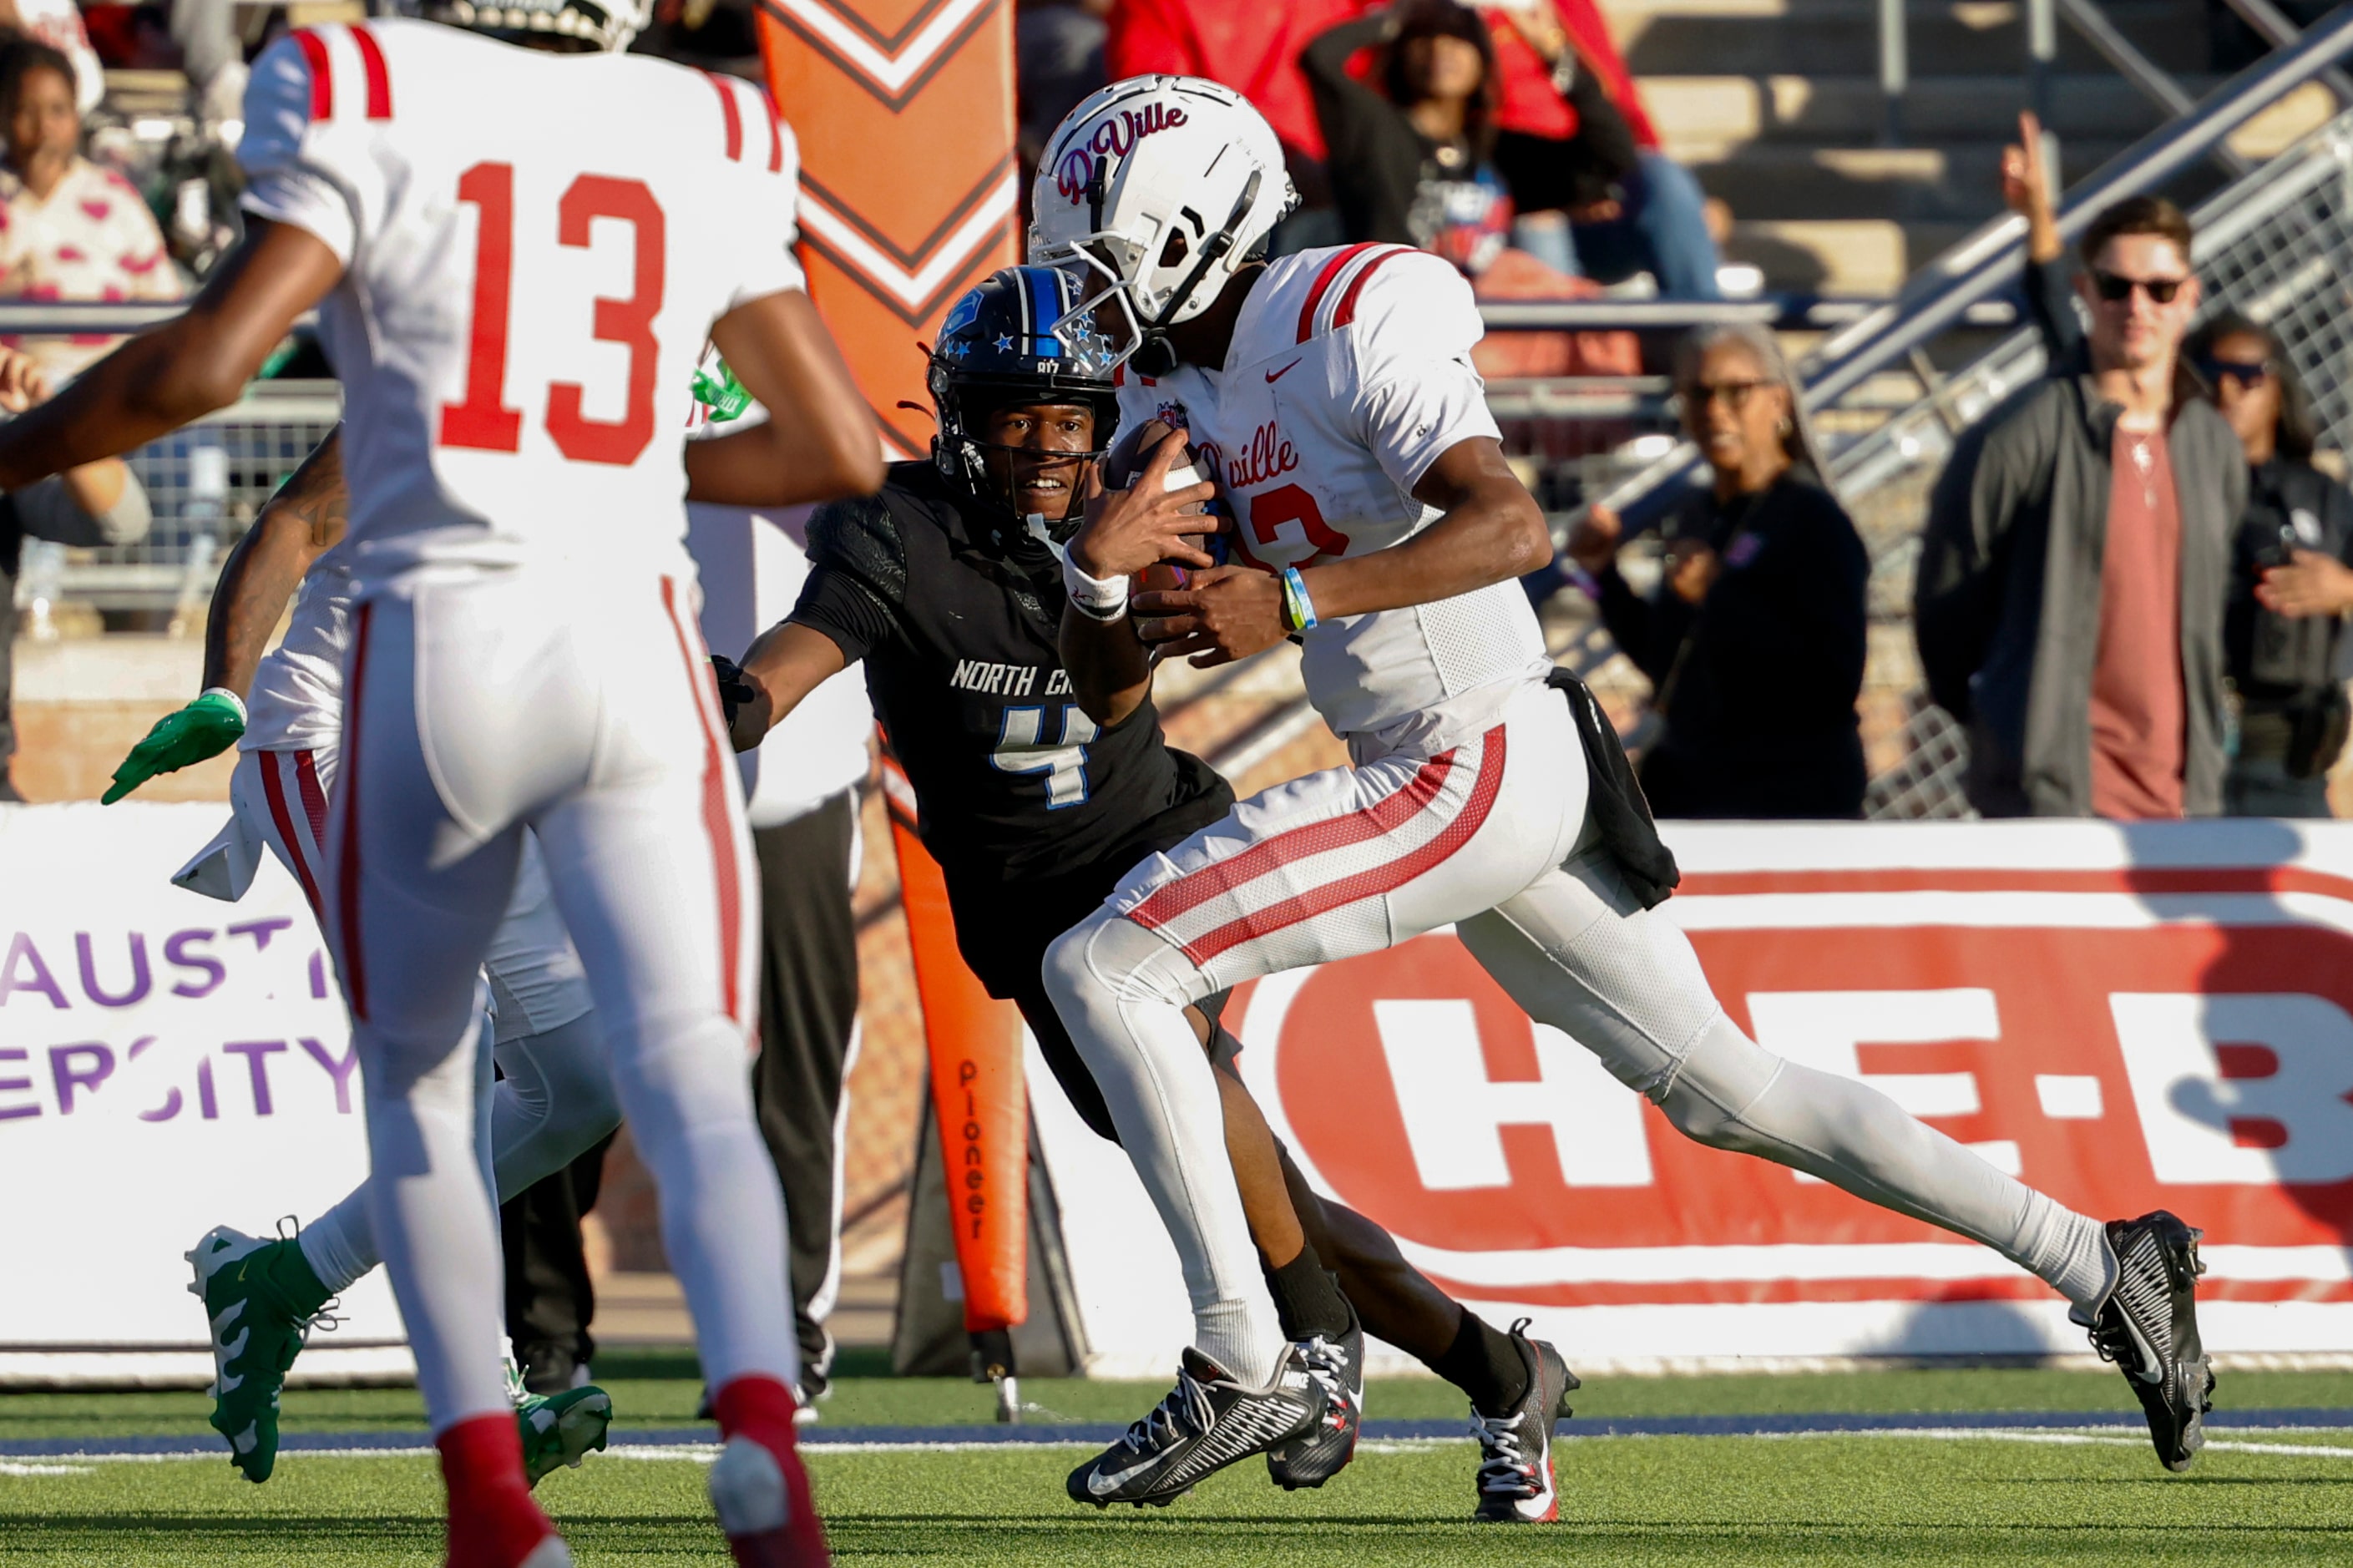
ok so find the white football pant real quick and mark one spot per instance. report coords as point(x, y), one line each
point(1490, 837)
point(580, 707)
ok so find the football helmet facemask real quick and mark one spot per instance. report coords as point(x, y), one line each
point(1154, 192)
point(591, 24)
point(998, 349)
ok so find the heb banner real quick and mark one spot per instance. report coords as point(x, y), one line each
point(2124, 1018)
point(167, 1063)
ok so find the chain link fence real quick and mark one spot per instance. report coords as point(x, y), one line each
point(204, 483)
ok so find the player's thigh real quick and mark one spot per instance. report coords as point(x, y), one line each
point(650, 860)
point(537, 977)
point(1356, 860)
point(282, 795)
point(414, 885)
point(1577, 950)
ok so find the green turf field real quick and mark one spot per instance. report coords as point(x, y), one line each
point(2254, 1498)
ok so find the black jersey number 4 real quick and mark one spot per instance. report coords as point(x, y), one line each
point(1023, 748)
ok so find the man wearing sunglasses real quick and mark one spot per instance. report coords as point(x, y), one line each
point(2077, 560)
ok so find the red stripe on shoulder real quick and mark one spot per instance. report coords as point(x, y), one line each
point(775, 133)
point(734, 117)
point(379, 76)
point(1347, 311)
point(322, 79)
point(1323, 280)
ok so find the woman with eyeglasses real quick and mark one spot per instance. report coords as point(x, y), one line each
point(2283, 631)
point(1753, 639)
point(2289, 585)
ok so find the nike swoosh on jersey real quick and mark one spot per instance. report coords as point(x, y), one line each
point(1274, 376)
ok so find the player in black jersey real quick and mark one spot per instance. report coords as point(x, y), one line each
point(947, 585)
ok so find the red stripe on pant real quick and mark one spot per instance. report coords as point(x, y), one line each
point(314, 796)
point(1374, 883)
point(347, 881)
point(1387, 814)
point(715, 824)
point(299, 849)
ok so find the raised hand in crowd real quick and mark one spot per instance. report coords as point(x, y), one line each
point(2026, 189)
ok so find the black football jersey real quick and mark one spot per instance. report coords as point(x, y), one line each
point(1014, 783)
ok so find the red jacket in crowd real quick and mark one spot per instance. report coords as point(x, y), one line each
point(1232, 41)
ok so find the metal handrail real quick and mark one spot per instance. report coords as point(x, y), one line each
point(59, 318)
point(1784, 312)
point(2276, 29)
point(1990, 261)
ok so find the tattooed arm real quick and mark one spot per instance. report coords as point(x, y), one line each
point(299, 523)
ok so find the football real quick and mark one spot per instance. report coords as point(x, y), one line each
point(1126, 459)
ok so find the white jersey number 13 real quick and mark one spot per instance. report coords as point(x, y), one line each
point(481, 419)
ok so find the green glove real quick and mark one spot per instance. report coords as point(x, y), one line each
point(722, 394)
point(205, 728)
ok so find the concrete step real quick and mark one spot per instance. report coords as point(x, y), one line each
point(1841, 37)
point(1954, 183)
point(1838, 255)
point(1705, 117)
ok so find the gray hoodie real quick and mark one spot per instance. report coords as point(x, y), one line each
point(2007, 608)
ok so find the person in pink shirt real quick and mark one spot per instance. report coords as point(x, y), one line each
point(68, 228)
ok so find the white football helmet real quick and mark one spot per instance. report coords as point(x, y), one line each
point(1155, 192)
point(607, 25)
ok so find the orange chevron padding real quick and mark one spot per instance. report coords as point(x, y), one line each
point(904, 113)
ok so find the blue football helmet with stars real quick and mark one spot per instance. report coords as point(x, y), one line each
point(998, 350)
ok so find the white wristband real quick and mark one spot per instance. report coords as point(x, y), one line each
point(233, 697)
point(1100, 598)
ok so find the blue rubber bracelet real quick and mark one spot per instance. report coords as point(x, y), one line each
point(1298, 608)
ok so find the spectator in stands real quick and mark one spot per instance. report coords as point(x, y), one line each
point(1254, 48)
point(2290, 586)
point(1753, 639)
point(1058, 50)
point(1412, 162)
point(97, 503)
point(1553, 59)
point(1410, 165)
point(2077, 556)
point(57, 23)
point(68, 228)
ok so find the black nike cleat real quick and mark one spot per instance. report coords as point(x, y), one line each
point(1324, 1450)
point(1515, 1481)
point(1208, 1421)
point(2147, 1325)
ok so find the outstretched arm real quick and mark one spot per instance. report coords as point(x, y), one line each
point(301, 522)
point(1492, 531)
point(184, 368)
point(787, 663)
point(819, 441)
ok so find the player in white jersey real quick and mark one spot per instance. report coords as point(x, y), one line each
point(554, 1100)
point(1372, 515)
point(517, 257)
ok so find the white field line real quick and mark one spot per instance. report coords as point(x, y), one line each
point(705, 1453)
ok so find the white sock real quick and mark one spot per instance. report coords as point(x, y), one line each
point(340, 1244)
point(2069, 1252)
